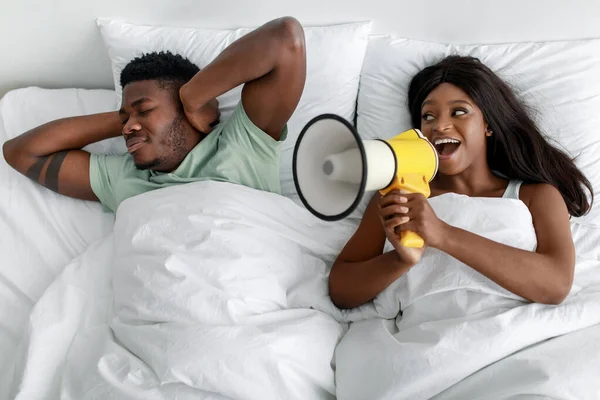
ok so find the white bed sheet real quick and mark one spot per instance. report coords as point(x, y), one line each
point(41, 232)
point(210, 290)
point(455, 322)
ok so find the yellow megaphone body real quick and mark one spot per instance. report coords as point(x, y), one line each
point(333, 168)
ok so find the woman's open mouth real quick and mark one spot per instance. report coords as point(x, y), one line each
point(446, 147)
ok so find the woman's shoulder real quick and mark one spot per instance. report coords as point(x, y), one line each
point(538, 193)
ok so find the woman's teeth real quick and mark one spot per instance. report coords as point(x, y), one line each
point(446, 146)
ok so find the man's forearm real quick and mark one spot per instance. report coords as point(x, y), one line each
point(40, 152)
point(65, 134)
point(251, 57)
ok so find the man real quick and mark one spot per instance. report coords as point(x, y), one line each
point(170, 121)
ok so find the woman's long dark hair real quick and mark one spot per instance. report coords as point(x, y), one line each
point(517, 148)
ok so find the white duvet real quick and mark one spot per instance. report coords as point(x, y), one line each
point(462, 336)
point(214, 291)
point(207, 290)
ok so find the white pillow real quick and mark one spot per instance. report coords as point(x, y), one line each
point(561, 80)
point(41, 231)
point(334, 59)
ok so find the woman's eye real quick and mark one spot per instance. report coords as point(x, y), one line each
point(145, 112)
point(460, 112)
point(427, 117)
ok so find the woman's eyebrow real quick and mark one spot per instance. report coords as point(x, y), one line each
point(433, 102)
point(459, 102)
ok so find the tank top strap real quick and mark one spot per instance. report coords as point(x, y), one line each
point(512, 190)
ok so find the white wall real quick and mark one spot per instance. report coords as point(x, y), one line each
point(55, 43)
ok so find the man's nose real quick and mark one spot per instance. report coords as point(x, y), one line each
point(131, 126)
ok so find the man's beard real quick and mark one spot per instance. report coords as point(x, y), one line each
point(149, 165)
point(174, 141)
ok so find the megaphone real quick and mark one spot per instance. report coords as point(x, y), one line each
point(333, 168)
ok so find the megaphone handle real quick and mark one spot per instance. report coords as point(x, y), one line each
point(413, 183)
point(411, 239)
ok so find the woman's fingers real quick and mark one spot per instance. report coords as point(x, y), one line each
point(407, 226)
point(392, 198)
point(391, 210)
point(391, 224)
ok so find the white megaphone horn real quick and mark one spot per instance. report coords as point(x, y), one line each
point(333, 168)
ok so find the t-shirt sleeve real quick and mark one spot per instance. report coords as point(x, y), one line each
point(104, 175)
point(240, 130)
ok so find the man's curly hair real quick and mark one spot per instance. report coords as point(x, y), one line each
point(171, 71)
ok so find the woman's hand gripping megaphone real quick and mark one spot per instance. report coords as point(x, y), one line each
point(402, 212)
point(416, 165)
point(415, 184)
point(392, 213)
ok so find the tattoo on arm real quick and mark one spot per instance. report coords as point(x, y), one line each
point(35, 171)
point(53, 169)
point(51, 181)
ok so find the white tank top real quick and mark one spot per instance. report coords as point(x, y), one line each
point(512, 190)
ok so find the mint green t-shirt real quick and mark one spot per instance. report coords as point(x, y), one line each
point(235, 151)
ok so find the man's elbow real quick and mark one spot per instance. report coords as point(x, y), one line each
point(9, 152)
point(15, 154)
point(292, 34)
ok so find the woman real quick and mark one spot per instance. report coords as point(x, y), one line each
point(490, 148)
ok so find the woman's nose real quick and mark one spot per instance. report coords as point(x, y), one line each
point(442, 124)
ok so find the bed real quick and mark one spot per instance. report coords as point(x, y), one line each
point(80, 319)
